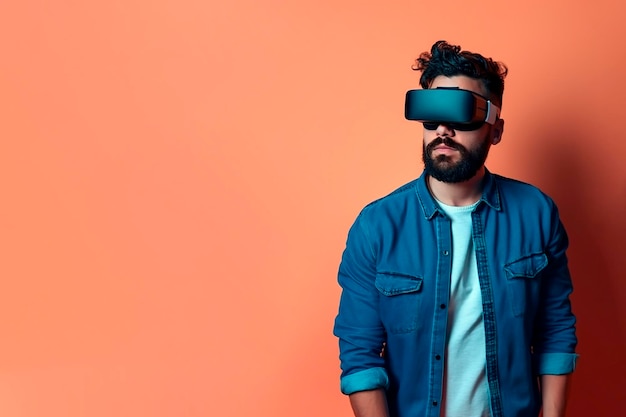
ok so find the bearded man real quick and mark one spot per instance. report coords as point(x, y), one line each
point(455, 287)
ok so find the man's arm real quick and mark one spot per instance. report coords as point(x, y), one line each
point(372, 403)
point(554, 389)
point(555, 339)
point(359, 328)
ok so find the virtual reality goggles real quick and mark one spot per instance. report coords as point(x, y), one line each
point(459, 109)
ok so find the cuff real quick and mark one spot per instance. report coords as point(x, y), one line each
point(368, 379)
point(555, 363)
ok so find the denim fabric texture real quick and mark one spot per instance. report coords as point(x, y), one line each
point(395, 279)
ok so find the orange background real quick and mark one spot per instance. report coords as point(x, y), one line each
point(177, 180)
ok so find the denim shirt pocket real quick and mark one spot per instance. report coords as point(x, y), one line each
point(400, 300)
point(523, 278)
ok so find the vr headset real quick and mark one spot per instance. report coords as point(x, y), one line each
point(459, 109)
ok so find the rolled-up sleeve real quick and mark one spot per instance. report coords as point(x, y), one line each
point(555, 363)
point(357, 325)
point(555, 336)
point(364, 380)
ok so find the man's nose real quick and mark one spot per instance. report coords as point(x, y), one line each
point(444, 130)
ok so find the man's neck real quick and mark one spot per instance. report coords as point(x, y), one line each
point(458, 194)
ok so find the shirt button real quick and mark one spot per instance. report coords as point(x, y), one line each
point(442, 306)
point(437, 357)
point(435, 403)
point(445, 253)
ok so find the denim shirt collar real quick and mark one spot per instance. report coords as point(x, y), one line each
point(490, 196)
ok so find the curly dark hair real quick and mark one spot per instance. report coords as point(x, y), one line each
point(449, 60)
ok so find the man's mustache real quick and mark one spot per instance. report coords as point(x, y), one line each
point(444, 141)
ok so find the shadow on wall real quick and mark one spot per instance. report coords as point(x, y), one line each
point(580, 186)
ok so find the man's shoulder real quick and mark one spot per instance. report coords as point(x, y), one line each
point(391, 210)
point(526, 193)
point(398, 196)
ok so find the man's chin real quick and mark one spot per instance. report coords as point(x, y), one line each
point(444, 164)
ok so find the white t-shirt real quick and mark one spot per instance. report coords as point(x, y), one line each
point(465, 379)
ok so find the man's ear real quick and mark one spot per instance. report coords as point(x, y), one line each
point(496, 131)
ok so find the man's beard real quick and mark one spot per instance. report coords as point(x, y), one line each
point(443, 169)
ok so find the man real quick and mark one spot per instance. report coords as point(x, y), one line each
point(455, 287)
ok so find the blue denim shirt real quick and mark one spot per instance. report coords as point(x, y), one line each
point(395, 276)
